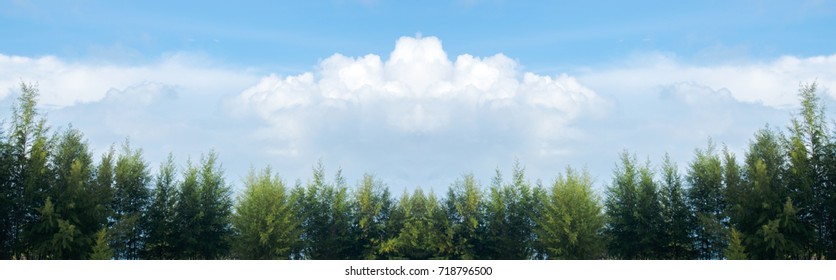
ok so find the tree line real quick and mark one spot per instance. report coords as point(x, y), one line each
point(59, 202)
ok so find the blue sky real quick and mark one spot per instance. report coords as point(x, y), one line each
point(418, 92)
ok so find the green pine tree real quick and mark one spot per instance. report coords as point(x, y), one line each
point(706, 198)
point(131, 198)
point(678, 220)
point(736, 250)
point(327, 218)
point(264, 219)
point(622, 210)
point(160, 219)
point(373, 209)
point(186, 213)
point(571, 223)
point(101, 249)
point(214, 225)
point(650, 227)
point(465, 212)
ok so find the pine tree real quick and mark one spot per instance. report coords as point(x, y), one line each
point(101, 250)
point(807, 170)
point(327, 219)
point(571, 225)
point(706, 198)
point(678, 220)
point(186, 212)
point(5, 196)
point(264, 218)
point(465, 212)
point(216, 208)
point(73, 204)
point(373, 209)
point(103, 189)
point(523, 205)
point(394, 226)
point(736, 190)
point(768, 215)
point(622, 212)
point(650, 225)
point(425, 234)
point(736, 250)
point(160, 221)
point(28, 173)
point(509, 218)
point(497, 227)
point(131, 197)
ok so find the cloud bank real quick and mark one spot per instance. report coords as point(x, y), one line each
point(65, 83)
point(419, 116)
point(771, 83)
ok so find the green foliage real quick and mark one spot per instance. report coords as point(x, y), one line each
point(465, 212)
point(103, 192)
point(706, 198)
point(187, 213)
point(509, 217)
point(266, 225)
point(622, 210)
point(101, 251)
point(807, 171)
point(27, 155)
point(650, 227)
point(373, 209)
point(426, 233)
point(327, 218)
point(766, 197)
point(5, 197)
point(160, 220)
point(74, 221)
point(131, 197)
point(635, 210)
point(736, 250)
point(571, 223)
point(678, 222)
point(202, 210)
point(215, 228)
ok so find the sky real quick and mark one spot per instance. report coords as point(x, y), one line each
point(417, 93)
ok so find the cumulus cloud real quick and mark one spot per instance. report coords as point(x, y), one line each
point(417, 91)
point(418, 112)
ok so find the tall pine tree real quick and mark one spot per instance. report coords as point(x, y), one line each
point(465, 211)
point(28, 173)
point(160, 220)
point(706, 197)
point(214, 223)
point(678, 219)
point(131, 198)
point(571, 223)
point(267, 227)
point(373, 207)
point(622, 210)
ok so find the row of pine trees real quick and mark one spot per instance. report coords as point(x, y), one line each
point(776, 202)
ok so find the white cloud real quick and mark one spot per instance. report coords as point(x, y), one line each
point(417, 113)
point(416, 90)
point(418, 116)
point(772, 83)
point(64, 83)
